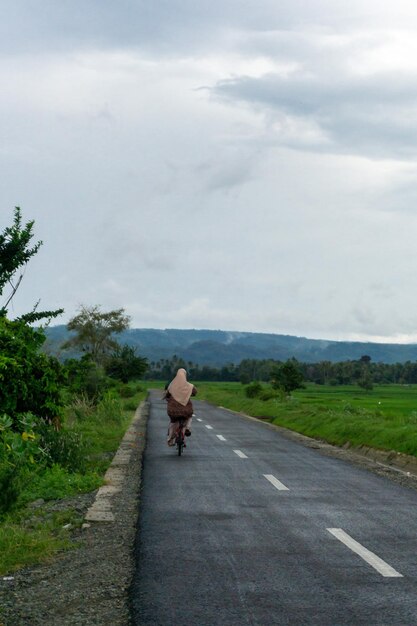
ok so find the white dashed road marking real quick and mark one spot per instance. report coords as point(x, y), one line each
point(221, 437)
point(368, 556)
point(277, 483)
point(209, 427)
point(240, 453)
point(199, 420)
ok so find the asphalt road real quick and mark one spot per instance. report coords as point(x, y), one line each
point(219, 543)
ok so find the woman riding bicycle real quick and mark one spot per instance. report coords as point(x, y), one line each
point(179, 404)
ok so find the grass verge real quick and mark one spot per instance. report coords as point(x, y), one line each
point(28, 535)
point(385, 419)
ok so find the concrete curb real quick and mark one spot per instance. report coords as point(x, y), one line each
point(397, 461)
point(101, 509)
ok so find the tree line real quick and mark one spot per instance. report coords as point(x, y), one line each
point(361, 372)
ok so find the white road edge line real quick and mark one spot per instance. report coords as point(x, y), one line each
point(277, 483)
point(368, 556)
point(208, 426)
point(240, 453)
point(220, 437)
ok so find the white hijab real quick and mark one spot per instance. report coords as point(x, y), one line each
point(180, 389)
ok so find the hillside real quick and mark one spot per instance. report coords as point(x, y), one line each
point(218, 347)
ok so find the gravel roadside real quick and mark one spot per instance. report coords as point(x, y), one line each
point(88, 585)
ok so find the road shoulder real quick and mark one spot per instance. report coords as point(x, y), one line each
point(398, 467)
point(89, 584)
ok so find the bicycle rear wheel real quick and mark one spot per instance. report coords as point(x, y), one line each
point(180, 437)
point(180, 442)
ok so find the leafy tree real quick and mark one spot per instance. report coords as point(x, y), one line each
point(84, 377)
point(29, 380)
point(365, 382)
point(365, 379)
point(95, 330)
point(245, 378)
point(15, 252)
point(286, 376)
point(124, 364)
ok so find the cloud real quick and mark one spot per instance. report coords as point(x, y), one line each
point(234, 168)
point(243, 165)
point(180, 27)
point(163, 27)
point(331, 106)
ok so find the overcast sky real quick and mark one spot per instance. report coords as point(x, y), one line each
point(235, 164)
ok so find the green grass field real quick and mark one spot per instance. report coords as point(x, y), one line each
point(385, 418)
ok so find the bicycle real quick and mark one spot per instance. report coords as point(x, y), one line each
point(180, 438)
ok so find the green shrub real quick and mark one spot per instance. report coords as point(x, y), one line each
point(18, 452)
point(253, 390)
point(287, 376)
point(56, 482)
point(126, 391)
point(30, 380)
point(124, 364)
point(81, 408)
point(109, 409)
point(268, 394)
point(63, 447)
point(86, 378)
point(130, 405)
point(10, 486)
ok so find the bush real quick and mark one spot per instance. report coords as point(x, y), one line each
point(253, 390)
point(19, 451)
point(130, 405)
point(109, 409)
point(30, 380)
point(81, 408)
point(286, 376)
point(57, 482)
point(124, 364)
point(268, 394)
point(365, 382)
point(10, 486)
point(63, 447)
point(86, 378)
point(126, 391)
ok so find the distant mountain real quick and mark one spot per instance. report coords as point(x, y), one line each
point(218, 347)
